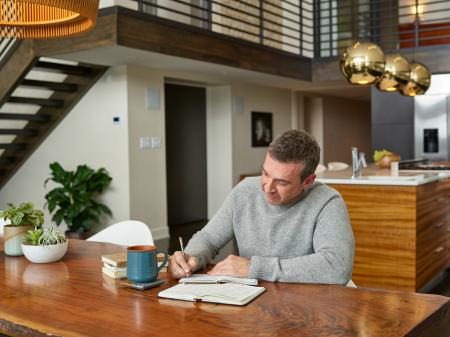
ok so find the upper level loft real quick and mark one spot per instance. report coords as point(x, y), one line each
point(293, 39)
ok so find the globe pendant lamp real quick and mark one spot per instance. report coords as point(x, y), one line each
point(419, 82)
point(34, 19)
point(362, 63)
point(396, 73)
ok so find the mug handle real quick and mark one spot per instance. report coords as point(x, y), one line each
point(164, 263)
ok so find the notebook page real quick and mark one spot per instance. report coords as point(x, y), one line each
point(205, 278)
point(227, 291)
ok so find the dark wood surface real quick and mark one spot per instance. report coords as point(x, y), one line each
point(73, 298)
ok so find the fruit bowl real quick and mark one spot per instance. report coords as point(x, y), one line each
point(385, 161)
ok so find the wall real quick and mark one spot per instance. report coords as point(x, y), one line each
point(393, 123)
point(346, 124)
point(248, 159)
point(337, 124)
point(313, 120)
point(148, 193)
point(219, 146)
point(86, 136)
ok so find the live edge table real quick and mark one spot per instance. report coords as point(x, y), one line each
point(73, 298)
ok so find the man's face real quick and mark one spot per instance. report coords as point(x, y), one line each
point(281, 182)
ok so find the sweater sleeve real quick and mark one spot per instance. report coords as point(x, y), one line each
point(332, 260)
point(206, 243)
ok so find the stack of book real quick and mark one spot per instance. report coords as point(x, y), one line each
point(115, 265)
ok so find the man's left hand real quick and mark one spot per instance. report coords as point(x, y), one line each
point(232, 266)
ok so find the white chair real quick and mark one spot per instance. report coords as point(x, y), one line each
point(351, 284)
point(320, 169)
point(337, 166)
point(127, 233)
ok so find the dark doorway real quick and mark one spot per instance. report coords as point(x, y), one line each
point(185, 161)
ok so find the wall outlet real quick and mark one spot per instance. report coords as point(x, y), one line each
point(145, 143)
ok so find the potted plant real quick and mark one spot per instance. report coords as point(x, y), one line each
point(21, 219)
point(44, 245)
point(73, 200)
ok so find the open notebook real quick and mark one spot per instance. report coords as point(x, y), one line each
point(205, 278)
point(226, 293)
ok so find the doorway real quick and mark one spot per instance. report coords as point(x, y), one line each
point(186, 161)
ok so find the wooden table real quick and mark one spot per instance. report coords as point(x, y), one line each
point(73, 298)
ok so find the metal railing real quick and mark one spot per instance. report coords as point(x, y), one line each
point(313, 28)
point(391, 24)
point(282, 24)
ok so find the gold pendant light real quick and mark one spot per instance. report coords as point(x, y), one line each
point(396, 73)
point(362, 63)
point(34, 19)
point(420, 80)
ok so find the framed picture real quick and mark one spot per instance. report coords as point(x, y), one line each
point(261, 128)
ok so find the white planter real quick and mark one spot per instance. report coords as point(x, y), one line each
point(45, 254)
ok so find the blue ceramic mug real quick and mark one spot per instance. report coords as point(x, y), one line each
point(142, 264)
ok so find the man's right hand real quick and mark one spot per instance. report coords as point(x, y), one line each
point(182, 266)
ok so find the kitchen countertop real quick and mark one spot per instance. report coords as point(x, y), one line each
point(374, 176)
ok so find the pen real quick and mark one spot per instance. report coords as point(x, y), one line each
point(182, 246)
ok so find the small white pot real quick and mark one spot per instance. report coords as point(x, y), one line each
point(45, 254)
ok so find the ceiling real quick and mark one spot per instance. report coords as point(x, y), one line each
point(211, 73)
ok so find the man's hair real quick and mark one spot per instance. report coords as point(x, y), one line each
point(296, 146)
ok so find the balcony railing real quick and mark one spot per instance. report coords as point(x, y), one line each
point(391, 24)
point(282, 24)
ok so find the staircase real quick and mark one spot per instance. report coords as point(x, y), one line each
point(36, 93)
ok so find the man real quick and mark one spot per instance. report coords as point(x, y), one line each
point(288, 228)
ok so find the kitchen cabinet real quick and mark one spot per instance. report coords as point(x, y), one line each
point(402, 233)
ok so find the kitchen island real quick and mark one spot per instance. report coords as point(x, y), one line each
point(401, 226)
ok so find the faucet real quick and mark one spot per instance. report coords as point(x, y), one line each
point(357, 162)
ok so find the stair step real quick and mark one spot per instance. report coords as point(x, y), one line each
point(7, 160)
point(24, 117)
point(53, 103)
point(55, 86)
point(64, 68)
point(19, 132)
point(12, 146)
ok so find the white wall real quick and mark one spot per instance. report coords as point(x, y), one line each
point(148, 191)
point(86, 136)
point(248, 159)
point(219, 146)
point(313, 120)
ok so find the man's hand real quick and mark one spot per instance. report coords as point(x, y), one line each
point(182, 266)
point(232, 266)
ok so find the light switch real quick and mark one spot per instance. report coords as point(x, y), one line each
point(145, 143)
point(156, 142)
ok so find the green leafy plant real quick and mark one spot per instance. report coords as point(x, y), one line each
point(44, 236)
point(33, 235)
point(24, 214)
point(74, 200)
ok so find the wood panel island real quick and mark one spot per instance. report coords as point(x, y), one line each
point(401, 226)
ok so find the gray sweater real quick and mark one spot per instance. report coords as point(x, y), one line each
point(309, 241)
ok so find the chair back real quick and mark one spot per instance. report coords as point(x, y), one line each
point(337, 166)
point(127, 233)
point(320, 169)
point(351, 284)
